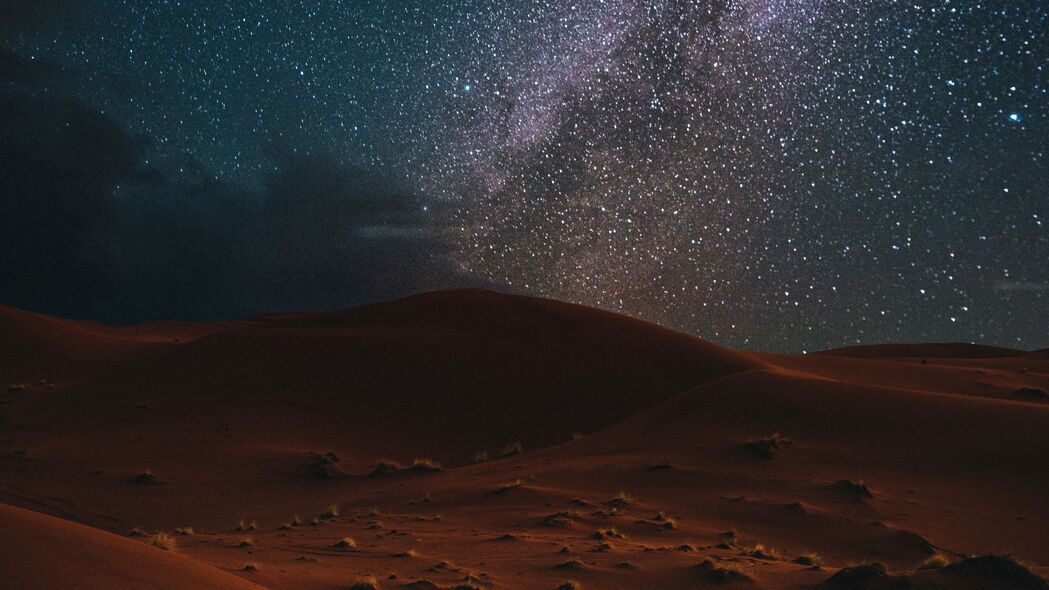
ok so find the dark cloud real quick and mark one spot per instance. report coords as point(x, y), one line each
point(31, 15)
point(88, 229)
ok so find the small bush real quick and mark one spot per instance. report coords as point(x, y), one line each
point(346, 543)
point(425, 464)
point(812, 560)
point(767, 447)
point(510, 485)
point(145, 478)
point(935, 562)
point(621, 499)
point(242, 525)
point(855, 488)
point(366, 583)
point(512, 449)
point(384, 467)
point(480, 456)
point(163, 541)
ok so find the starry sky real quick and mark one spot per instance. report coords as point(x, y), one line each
point(781, 175)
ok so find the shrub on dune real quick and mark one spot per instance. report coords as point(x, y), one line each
point(515, 448)
point(330, 512)
point(163, 541)
point(243, 525)
point(384, 467)
point(366, 583)
point(935, 562)
point(426, 465)
point(510, 485)
point(346, 543)
point(145, 478)
point(767, 447)
point(812, 560)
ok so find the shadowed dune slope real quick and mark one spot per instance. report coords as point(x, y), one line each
point(443, 374)
point(43, 552)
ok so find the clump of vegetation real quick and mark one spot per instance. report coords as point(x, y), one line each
point(935, 562)
point(250, 567)
point(723, 573)
point(855, 488)
point(812, 560)
point(767, 447)
point(480, 456)
point(330, 512)
point(514, 448)
point(184, 531)
point(999, 571)
point(426, 465)
point(602, 534)
point(569, 585)
point(384, 467)
point(145, 478)
point(346, 543)
point(762, 552)
point(366, 583)
point(857, 574)
point(242, 525)
point(246, 542)
point(621, 499)
point(408, 553)
point(163, 541)
point(571, 564)
point(326, 465)
point(136, 532)
point(510, 485)
point(1032, 393)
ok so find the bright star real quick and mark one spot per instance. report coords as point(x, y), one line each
point(1014, 117)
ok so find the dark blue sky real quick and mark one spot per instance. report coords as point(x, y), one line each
point(770, 174)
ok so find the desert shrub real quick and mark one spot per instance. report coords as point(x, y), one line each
point(767, 447)
point(163, 541)
point(512, 449)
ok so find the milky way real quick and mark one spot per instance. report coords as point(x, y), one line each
point(775, 174)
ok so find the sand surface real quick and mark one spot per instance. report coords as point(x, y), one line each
point(626, 464)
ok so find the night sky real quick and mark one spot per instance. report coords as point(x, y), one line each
point(774, 174)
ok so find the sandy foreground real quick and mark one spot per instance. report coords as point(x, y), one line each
point(466, 438)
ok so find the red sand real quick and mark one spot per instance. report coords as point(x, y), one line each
point(235, 421)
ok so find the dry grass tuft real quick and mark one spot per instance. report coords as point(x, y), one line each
point(853, 487)
point(366, 583)
point(812, 560)
point(385, 467)
point(504, 488)
point(937, 561)
point(163, 541)
point(330, 512)
point(184, 531)
point(762, 552)
point(722, 574)
point(621, 499)
point(145, 478)
point(426, 464)
point(767, 447)
point(346, 543)
point(242, 525)
point(512, 449)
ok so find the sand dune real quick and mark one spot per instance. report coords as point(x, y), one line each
point(646, 458)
